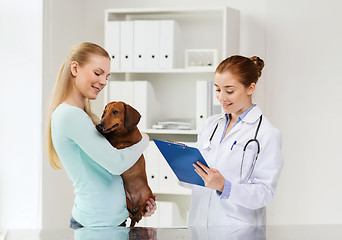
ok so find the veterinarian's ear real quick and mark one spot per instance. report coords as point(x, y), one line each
point(74, 68)
point(132, 117)
point(251, 89)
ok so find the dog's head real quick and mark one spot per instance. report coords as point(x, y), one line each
point(119, 117)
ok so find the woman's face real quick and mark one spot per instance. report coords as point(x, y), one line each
point(91, 78)
point(234, 97)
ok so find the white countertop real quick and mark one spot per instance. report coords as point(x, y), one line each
point(295, 232)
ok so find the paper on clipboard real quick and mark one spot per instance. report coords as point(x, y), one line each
point(180, 158)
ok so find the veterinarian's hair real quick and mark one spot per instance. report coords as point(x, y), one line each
point(81, 54)
point(248, 70)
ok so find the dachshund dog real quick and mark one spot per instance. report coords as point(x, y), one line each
point(119, 126)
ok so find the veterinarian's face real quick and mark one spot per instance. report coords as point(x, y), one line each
point(91, 78)
point(233, 95)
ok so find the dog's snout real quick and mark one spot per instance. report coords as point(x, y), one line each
point(100, 126)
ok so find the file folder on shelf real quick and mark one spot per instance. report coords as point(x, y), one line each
point(169, 45)
point(152, 44)
point(203, 103)
point(153, 157)
point(206, 102)
point(126, 47)
point(121, 91)
point(112, 43)
point(139, 44)
point(180, 158)
point(145, 101)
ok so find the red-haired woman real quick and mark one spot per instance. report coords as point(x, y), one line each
point(242, 149)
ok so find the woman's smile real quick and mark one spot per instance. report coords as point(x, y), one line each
point(96, 89)
point(226, 105)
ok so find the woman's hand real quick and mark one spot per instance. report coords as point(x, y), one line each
point(212, 177)
point(151, 207)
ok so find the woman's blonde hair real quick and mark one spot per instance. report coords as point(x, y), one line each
point(81, 54)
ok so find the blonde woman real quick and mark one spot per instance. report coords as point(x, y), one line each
point(92, 164)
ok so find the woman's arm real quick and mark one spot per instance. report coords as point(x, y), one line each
point(76, 126)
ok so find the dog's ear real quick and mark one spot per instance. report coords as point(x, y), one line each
point(132, 117)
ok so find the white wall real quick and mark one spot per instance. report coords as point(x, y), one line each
point(62, 28)
point(20, 104)
point(303, 99)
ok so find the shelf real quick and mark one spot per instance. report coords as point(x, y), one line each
point(174, 70)
point(171, 131)
point(149, 11)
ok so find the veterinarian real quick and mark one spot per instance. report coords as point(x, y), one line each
point(92, 164)
point(236, 193)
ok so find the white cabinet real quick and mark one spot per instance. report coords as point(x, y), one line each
point(179, 30)
point(169, 91)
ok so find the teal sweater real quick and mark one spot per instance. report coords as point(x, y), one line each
point(94, 167)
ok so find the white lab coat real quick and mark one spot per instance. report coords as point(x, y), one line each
point(247, 201)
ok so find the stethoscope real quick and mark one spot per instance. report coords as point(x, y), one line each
point(208, 148)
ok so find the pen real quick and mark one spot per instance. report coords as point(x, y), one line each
point(233, 145)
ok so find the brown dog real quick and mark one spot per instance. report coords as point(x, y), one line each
point(119, 125)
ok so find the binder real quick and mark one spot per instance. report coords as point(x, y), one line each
point(180, 158)
point(146, 103)
point(126, 46)
point(152, 44)
point(167, 177)
point(206, 102)
point(121, 91)
point(112, 43)
point(152, 158)
point(139, 45)
point(169, 42)
point(146, 44)
point(202, 111)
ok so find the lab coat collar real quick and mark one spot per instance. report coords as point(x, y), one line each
point(222, 116)
point(253, 115)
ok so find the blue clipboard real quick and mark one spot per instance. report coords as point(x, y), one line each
point(180, 158)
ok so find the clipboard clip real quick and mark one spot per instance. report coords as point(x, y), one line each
point(178, 143)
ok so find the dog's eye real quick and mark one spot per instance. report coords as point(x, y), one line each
point(115, 112)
